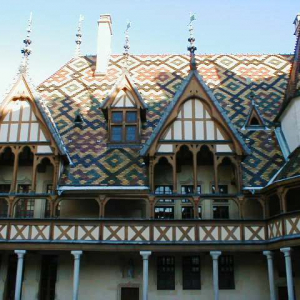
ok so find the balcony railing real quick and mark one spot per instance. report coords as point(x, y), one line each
point(150, 231)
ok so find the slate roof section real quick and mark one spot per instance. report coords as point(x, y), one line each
point(292, 166)
point(158, 77)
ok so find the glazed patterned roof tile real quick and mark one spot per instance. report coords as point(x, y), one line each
point(292, 167)
point(157, 77)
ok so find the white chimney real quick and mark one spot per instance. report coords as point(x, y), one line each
point(103, 44)
point(297, 25)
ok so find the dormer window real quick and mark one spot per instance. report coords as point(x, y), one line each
point(124, 110)
point(124, 127)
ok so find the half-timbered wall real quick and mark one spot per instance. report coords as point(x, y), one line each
point(124, 99)
point(194, 123)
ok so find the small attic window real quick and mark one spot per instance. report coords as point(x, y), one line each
point(78, 120)
point(254, 122)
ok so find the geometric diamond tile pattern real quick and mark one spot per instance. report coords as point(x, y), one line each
point(157, 77)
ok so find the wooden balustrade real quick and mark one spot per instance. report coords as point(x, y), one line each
point(150, 231)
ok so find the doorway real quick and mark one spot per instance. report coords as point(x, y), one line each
point(130, 293)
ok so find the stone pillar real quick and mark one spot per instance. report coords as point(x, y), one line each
point(76, 273)
point(269, 255)
point(145, 255)
point(289, 272)
point(215, 256)
point(19, 276)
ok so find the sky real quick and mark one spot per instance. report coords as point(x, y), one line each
point(158, 27)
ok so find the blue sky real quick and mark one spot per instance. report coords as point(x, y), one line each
point(158, 26)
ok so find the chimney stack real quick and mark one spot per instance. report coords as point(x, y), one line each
point(297, 25)
point(103, 44)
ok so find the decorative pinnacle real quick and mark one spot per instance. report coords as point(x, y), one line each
point(127, 44)
point(192, 48)
point(26, 51)
point(79, 37)
point(252, 94)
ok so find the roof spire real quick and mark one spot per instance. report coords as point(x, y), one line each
point(78, 37)
point(127, 44)
point(26, 51)
point(252, 94)
point(192, 48)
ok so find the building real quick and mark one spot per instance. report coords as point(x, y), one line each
point(152, 177)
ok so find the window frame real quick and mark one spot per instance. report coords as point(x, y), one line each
point(164, 276)
point(227, 276)
point(124, 124)
point(188, 273)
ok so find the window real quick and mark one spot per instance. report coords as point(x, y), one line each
point(187, 212)
point(163, 189)
point(4, 188)
point(24, 188)
point(226, 272)
point(3, 208)
point(164, 212)
point(221, 211)
point(223, 189)
point(200, 212)
point(166, 273)
point(48, 277)
point(47, 209)
point(49, 188)
point(124, 126)
point(189, 189)
point(191, 273)
point(25, 208)
point(11, 278)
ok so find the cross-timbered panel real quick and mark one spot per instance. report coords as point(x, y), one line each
point(124, 99)
point(20, 124)
point(255, 233)
point(292, 225)
point(275, 229)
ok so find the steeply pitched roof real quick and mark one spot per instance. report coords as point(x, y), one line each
point(292, 166)
point(158, 77)
point(163, 120)
point(23, 82)
point(121, 83)
point(293, 87)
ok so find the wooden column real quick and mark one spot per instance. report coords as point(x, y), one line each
point(281, 192)
point(55, 174)
point(151, 174)
point(34, 171)
point(13, 187)
point(239, 174)
point(216, 175)
point(195, 169)
point(174, 174)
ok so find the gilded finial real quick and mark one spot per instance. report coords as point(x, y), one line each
point(127, 44)
point(79, 37)
point(26, 51)
point(192, 48)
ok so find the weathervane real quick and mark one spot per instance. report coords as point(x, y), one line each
point(79, 37)
point(192, 48)
point(127, 44)
point(26, 51)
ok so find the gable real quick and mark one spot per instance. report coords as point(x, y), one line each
point(24, 119)
point(20, 124)
point(124, 99)
point(195, 115)
point(124, 94)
